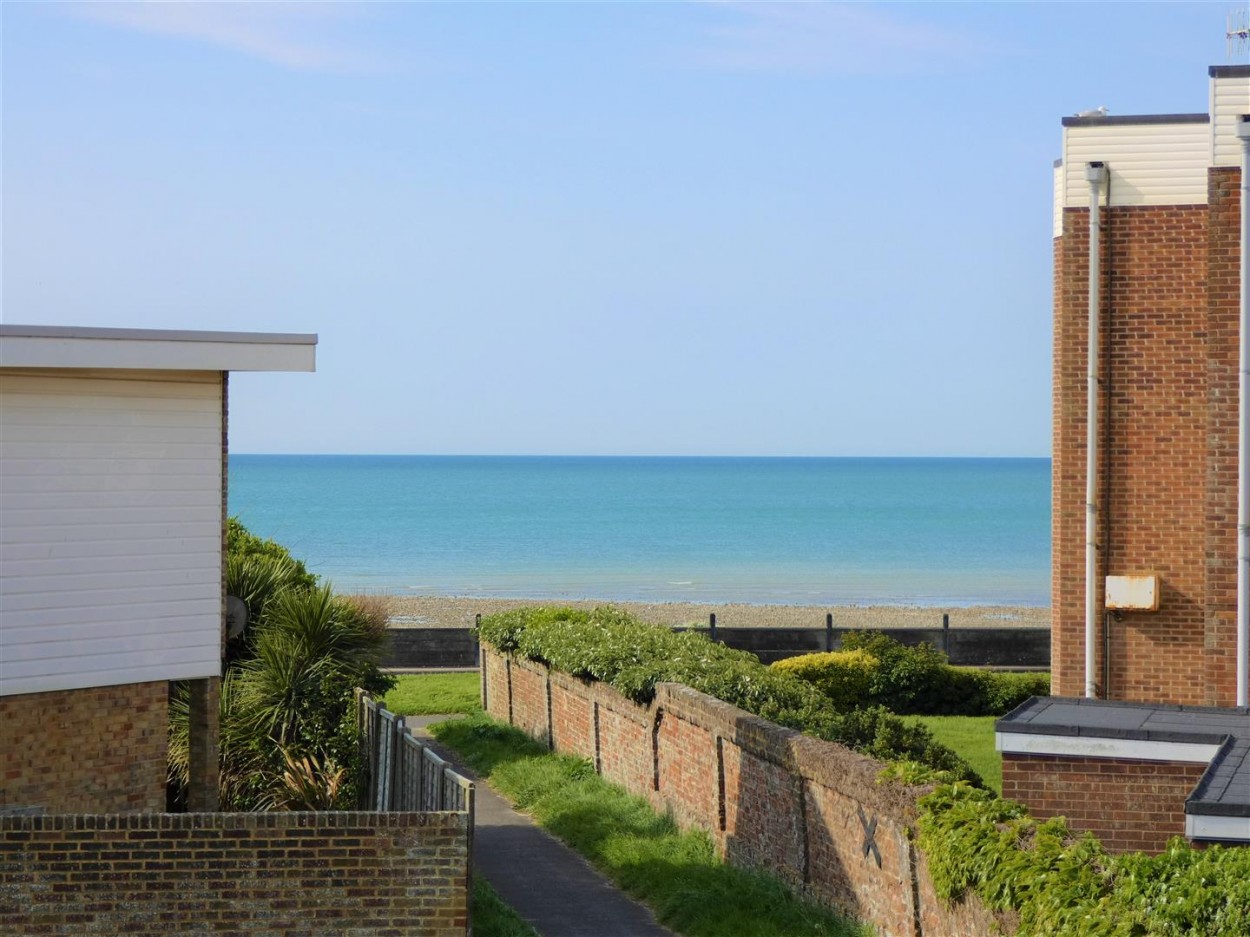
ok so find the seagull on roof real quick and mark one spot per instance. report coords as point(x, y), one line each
point(1100, 111)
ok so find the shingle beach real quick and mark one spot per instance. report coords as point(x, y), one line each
point(457, 612)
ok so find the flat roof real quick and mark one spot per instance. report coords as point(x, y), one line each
point(1129, 119)
point(53, 346)
point(1224, 789)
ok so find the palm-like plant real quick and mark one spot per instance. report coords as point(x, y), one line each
point(287, 699)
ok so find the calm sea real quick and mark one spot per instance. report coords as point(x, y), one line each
point(761, 530)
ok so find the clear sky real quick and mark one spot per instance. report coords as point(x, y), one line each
point(575, 228)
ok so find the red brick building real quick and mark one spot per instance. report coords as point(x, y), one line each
point(1148, 249)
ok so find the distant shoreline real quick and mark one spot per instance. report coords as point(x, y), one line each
point(459, 612)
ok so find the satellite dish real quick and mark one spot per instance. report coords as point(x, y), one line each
point(236, 616)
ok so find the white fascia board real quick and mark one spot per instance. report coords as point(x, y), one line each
point(1204, 827)
point(1085, 746)
point(145, 349)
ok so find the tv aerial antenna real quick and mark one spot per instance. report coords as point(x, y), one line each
point(1238, 33)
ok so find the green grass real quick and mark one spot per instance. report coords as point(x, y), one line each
point(971, 737)
point(676, 873)
point(430, 694)
point(493, 918)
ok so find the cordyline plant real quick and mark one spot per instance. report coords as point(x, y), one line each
point(287, 715)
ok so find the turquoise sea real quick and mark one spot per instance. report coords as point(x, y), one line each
point(807, 531)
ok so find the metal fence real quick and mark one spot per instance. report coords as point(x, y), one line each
point(401, 772)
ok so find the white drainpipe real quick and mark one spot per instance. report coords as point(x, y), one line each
point(1095, 175)
point(1243, 443)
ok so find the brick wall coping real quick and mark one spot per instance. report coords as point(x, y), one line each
point(280, 819)
point(817, 760)
point(1218, 808)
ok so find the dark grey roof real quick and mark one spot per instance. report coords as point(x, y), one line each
point(1228, 71)
point(1224, 789)
point(1112, 120)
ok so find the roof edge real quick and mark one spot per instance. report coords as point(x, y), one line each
point(1127, 119)
point(157, 335)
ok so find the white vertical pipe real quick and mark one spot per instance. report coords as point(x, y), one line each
point(1095, 175)
point(1243, 441)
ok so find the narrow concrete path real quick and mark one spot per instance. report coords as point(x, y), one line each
point(546, 882)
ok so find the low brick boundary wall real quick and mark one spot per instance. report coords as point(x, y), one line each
point(1129, 804)
point(255, 874)
point(810, 812)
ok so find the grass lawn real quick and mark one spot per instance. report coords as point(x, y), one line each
point(973, 738)
point(676, 873)
point(429, 694)
point(493, 918)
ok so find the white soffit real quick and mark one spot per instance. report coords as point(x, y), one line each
point(28, 346)
point(1088, 746)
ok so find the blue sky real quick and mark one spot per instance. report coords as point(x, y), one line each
point(635, 228)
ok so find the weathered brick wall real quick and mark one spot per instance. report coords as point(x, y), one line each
point(770, 797)
point(1223, 337)
point(96, 750)
point(1167, 475)
point(261, 875)
point(1127, 803)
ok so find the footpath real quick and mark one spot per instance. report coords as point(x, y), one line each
point(557, 891)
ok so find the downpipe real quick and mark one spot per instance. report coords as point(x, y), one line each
point(1243, 434)
point(1096, 176)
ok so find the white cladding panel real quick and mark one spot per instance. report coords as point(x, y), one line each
point(110, 528)
point(1057, 207)
point(1149, 164)
point(1230, 98)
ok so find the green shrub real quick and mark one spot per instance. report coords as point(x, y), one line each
point(845, 677)
point(911, 680)
point(608, 645)
point(287, 712)
point(1067, 885)
point(908, 679)
point(242, 542)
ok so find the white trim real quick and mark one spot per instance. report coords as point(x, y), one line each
point(1087, 746)
point(148, 349)
point(1204, 826)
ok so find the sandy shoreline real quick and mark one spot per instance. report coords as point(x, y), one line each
point(439, 611)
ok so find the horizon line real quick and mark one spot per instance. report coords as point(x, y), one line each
point(652, 455)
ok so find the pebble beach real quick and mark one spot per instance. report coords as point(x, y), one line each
point(459, 612)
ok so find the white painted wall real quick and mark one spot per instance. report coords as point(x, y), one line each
point(110, 527)
point(1149, 163)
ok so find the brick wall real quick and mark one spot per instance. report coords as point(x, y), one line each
point(1127, 803)
point(1167, 475)
point(262, 875)
point(97, 750)
point(770, 797)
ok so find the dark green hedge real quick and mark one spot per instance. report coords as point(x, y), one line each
point(1064, 885)
point(913, 680)
point(609, 645)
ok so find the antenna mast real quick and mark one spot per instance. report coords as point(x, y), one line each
point(1238, 33)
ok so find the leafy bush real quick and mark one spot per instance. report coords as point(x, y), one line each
point(608, 645)
point(1065, 885)
point(843, 676)
point(911, 680)
point(287, 715)
point(241, 542)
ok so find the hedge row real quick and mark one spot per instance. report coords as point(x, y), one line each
point(610, 646)
point(1064, 885)
point(875, 670)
